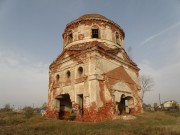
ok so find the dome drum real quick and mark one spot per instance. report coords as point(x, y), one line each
point(81, 30)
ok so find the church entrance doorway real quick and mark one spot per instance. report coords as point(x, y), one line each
point(125, 104)
point(65, 106)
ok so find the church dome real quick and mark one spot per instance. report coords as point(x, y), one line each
point(93, 27)
point(92, 16)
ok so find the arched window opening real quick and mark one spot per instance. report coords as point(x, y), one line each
point(117, 38)
point(68, 74)
point(80, 70)
point(70, 37)
point(95, 32)
point(126, 104)
point(57, 77)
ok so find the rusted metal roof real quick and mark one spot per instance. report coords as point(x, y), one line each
point(91, 16)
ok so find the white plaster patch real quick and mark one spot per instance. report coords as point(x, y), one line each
point(105, 65)
point(107, 95)
point(79, 88)
point(132, 75)
point(122, 86)
point(99, 102)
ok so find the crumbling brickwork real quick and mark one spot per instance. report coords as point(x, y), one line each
point(93, 79)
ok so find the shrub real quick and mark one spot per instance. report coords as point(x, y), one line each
point(6, 108)
point(28, 111)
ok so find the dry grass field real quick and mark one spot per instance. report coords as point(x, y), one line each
point(149, 123)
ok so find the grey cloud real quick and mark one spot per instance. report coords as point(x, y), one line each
point(22, 82)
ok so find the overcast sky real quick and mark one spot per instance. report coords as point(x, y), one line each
point(31, 38)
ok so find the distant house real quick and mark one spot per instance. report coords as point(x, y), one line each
point(178, 105)
point(169, 104)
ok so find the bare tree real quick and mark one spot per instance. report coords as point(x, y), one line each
point(146, 83)
point(129, 51)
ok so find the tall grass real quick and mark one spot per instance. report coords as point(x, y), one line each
point(151, 123)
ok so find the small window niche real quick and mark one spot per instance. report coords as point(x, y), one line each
point(70, 37)
point(117, 38)
point(95, 32)
point(57, 77)
point(80, 71)
point(68, 74)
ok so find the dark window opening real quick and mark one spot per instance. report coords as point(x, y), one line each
point(117, 38)
point(95, 33)
point(70, 37)
point(57, 77)
point(68, 74)
point(80, 70)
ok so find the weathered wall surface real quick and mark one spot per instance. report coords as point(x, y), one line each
point(102, 79)
point(93, 78)
point(119, 79)
point(82, 33)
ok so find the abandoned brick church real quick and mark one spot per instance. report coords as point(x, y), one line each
point(93, 79)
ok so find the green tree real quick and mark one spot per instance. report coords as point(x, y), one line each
point(28, 111)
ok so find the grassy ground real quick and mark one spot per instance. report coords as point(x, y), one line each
point(151, 123)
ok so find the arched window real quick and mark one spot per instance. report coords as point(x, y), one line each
point(80, 70)
point(117, 38)
point(68, 74)
point(95, 32)
point(70, 36)
point(57, 77)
